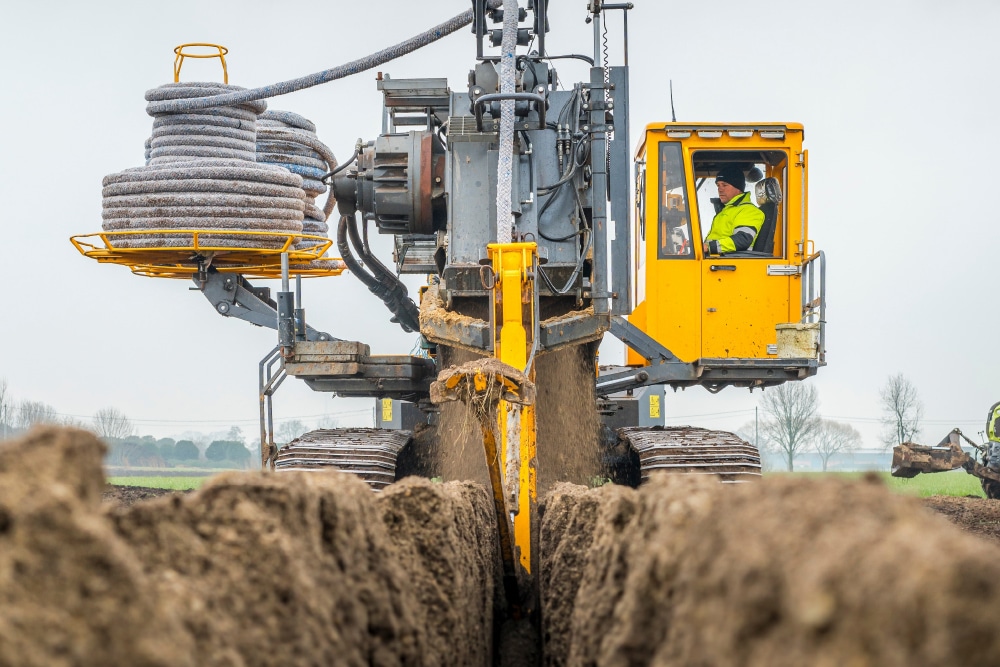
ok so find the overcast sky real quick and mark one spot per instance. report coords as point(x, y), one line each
point(899, 101)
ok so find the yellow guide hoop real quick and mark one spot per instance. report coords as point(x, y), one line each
point(181, 55)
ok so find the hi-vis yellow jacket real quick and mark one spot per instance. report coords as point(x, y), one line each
point(735, 227)
point(992, 425)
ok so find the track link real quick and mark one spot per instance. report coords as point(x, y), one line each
point(369, 453)
point(692, 451)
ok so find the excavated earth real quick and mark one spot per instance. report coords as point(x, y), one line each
point(316, 569)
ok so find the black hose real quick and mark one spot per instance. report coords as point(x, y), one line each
point(381, 282)
point(354, 156)
point(345, 253)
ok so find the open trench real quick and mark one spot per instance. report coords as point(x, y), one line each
point(316, 569)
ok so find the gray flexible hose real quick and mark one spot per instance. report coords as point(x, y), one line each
point(332, 74)
point(508, 71)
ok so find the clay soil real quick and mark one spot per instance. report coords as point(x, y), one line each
point(785, 572)
point(316, 569)
point(252, 569)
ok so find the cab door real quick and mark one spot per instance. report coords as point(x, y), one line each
point(742, 300)
point(744, 295)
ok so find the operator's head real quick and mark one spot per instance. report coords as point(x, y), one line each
point(730, 182)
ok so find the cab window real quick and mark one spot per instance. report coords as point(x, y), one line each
point(674, 222)
point(766, 181)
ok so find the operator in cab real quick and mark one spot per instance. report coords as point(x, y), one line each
point(737, 223)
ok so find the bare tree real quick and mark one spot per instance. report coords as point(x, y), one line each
point(756, 435)
point(236, 435)
point(834, 438)
point(76, 422)
point(6, 409)
point(791, 418)
point(30, 413)
point(901, 411)
point(290, 430)
point(112, 424)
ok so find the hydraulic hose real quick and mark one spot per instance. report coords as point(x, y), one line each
point(391, 291)
point(396, 298)
point(332, 74)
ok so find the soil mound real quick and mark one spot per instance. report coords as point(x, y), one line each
point(445, 535)
point(71, 591)
point(784, 572)
point(253, 569)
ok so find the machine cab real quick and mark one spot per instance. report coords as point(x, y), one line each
point(756, 308)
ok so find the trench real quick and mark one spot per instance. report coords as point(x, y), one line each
point(298, 568)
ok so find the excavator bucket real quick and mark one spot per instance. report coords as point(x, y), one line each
point(909, 459)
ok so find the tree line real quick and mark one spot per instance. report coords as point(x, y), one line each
point(125, 446)
point(792, 425)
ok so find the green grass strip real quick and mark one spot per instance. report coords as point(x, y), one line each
point(955, 483)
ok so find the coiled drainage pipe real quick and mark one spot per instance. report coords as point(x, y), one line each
point(288, 140)
point(220, 132)
point(201, 174)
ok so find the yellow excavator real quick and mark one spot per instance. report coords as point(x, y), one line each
point(540, 229)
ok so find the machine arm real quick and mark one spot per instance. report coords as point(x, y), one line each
point(232, 295)
point(713, 374)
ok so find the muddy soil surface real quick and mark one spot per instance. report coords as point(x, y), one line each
point(980, 516)
point(125, 496)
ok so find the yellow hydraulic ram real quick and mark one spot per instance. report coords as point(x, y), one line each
point(514, 313)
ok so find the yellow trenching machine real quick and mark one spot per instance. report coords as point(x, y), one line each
point(540, 231)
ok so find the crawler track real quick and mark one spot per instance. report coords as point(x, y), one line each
point(368, 453)
point(689, 450)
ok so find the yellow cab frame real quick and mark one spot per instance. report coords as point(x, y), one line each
point(749, 318)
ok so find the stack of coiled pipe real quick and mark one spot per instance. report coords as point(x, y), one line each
point(288, 140)
point(202, 174)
